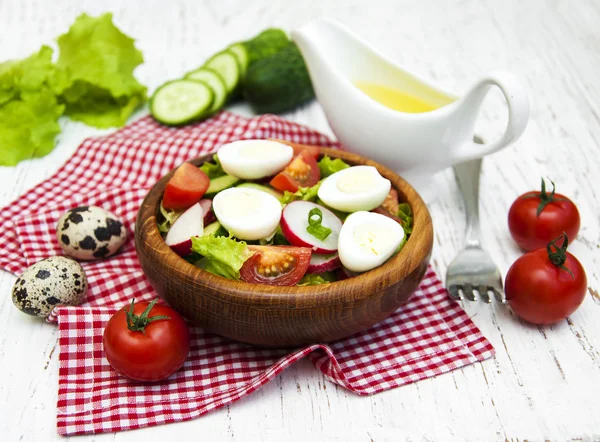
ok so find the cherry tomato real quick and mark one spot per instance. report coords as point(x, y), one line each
point(185, 188)
point(276, 265)
point(536, 218)
point(146, 342)
point(303, 171)
point(546, 285)
point(314, 151)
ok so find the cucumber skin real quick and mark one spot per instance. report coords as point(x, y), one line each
point(265, 44)
point(278, 83)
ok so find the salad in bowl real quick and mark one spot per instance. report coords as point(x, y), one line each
point(275, 213)
point(278, 244)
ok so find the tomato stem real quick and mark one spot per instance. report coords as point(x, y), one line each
point(545, 197)
point(139, 322)
point(558, 256)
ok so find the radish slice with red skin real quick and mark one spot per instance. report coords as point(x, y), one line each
point(209, 215)
point(323, 263)
point(294, 221)
point(189, 224)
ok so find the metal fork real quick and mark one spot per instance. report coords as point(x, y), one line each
point(472, 271)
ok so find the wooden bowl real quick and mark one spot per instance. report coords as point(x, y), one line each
point(285, 316)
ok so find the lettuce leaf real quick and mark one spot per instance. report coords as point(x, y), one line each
point(213, 170)
point(168, 218)
point(303, 193)
point(223, 256)
point(405, 215)
point(95, 78)
point(317, 279)
point(328, 167)
point(28, 126)
point(27, 75)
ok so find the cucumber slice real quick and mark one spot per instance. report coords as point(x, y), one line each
point(181, 101)
point(216, 83)
point(239, 50)
point(221, 183)
point(262, 188)
point(212, 228)
point(226, 64)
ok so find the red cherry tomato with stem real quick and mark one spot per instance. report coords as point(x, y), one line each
point(546, 285)
point(146, 342)
point(536, 218)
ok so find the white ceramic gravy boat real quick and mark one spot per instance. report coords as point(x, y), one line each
point(416, 145)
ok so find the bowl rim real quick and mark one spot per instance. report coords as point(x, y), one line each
point(316, 296)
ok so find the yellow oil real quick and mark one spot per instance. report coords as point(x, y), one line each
point(395, 99)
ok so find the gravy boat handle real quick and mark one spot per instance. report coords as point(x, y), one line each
point(517, 100)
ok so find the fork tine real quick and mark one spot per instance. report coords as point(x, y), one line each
point(454, 293)
point(499, 295)
point(468, 291)
point(483, 293)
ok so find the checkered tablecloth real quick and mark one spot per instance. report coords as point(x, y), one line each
point(428, 336)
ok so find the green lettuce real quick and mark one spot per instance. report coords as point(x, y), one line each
point(28, 126)
point(223, 256)
point(27, 75)
point(168, 218)
point(317, 279)
point(92, 81)
point(406, 219)
point(213, 170)
point(96, 65)
point(303, 193)
point(328, 167)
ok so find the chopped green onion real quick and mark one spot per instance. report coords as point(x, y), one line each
point(315, 228)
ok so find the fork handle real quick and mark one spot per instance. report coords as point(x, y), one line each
point(467, 174)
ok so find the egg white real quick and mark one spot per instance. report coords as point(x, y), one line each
point(254, 159)
point(247, 213)
point(355, 188)
point(367, 240)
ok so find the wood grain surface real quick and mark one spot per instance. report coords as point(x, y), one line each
point(290, 316)
point(543, 383)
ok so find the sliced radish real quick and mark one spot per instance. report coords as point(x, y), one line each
point(294, 221)
point(209, 215)
point(323, 263)
point(189, 224)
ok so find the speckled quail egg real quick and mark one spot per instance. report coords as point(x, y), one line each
point(49, 283)
point(90, 232)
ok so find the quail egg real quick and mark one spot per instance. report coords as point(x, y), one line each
point(49, 283)
point(90, 232)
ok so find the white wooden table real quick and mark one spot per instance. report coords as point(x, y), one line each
point(544, 383)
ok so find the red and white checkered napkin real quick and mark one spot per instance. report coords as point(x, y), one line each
point(430, 335)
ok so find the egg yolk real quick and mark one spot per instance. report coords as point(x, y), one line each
point(357, 181)
point(372, 239)
point(241, 204)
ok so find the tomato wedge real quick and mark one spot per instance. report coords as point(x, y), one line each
point(303, 171)
point(185, 188)
point(276, 265)
point(314, 151)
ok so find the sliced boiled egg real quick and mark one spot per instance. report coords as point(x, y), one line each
point(254, 159)
point(247, 213)
point(355, 188)
point(367, 240)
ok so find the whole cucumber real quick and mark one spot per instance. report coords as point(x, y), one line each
point(265, 44)
point(279, 82)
